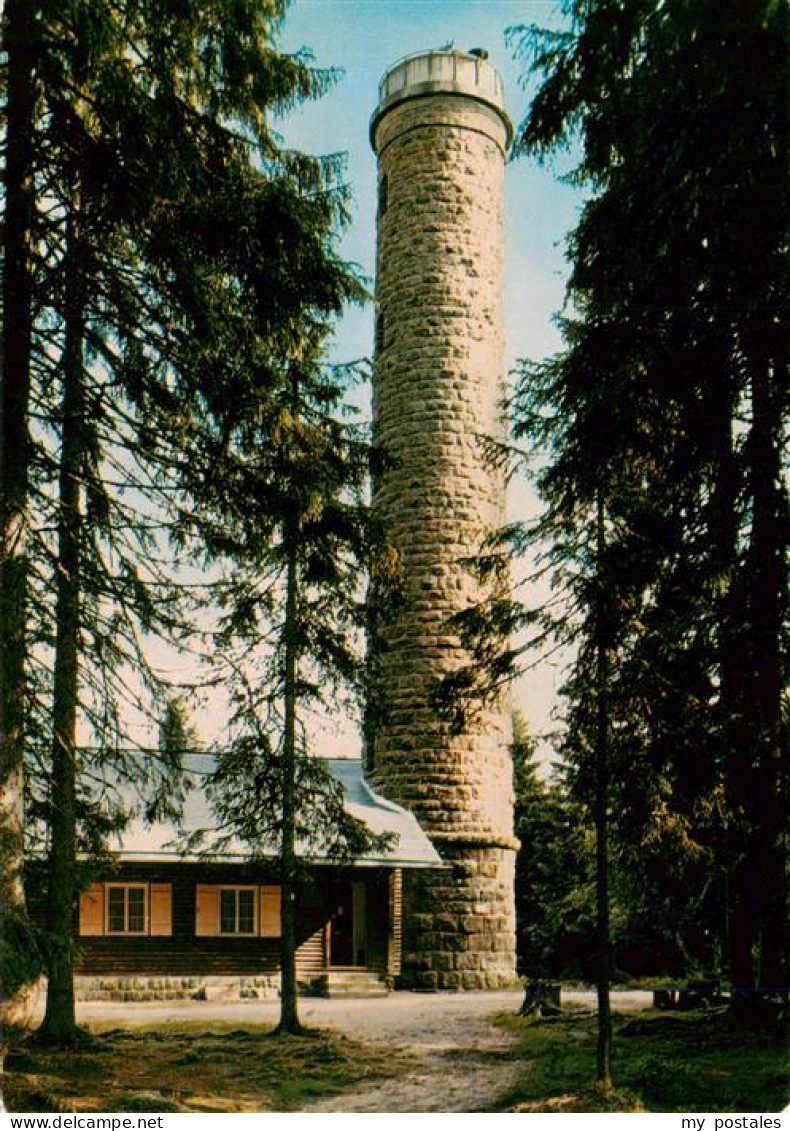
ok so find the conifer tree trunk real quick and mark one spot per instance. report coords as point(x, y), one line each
point(59, 1025)
point(772, 542)
point(743, 878)
point(742, 885)
point(601, 803)
point(289, 1016)
point(18, 31)
point(766, 582)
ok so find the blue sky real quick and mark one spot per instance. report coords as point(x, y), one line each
point(364, 38)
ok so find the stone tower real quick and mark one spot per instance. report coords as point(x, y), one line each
point(441, 135)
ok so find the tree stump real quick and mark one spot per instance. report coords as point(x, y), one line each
point(541, 999)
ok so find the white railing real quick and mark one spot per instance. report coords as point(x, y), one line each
point(458, 68)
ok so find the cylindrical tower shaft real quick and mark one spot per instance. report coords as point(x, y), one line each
point(441, 135)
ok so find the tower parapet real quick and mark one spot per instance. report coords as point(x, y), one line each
point(441, 135)
point(425, 73)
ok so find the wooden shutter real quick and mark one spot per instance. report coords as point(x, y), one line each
point(161, 909)
point(92, 910)
point(206, 910)
point(270, 912)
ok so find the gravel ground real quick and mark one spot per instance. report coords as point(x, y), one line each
point(466, 1062)
point(400, 1017)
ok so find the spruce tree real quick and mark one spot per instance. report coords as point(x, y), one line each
point(298, 538)
point(174, 250)
point(19, 32)
point(678, 276)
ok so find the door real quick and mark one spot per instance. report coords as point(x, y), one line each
point(348, 924)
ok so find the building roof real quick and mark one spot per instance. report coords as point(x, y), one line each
point(161, 842)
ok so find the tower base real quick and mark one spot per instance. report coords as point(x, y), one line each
point(459, 929)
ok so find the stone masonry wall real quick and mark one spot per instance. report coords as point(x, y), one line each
point(439, 368)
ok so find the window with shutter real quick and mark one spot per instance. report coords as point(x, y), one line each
point(126, 909)
point(222, 910)
point(237, 911)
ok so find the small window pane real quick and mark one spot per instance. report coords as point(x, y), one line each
point(227, 912)
point(246, 912)
point(115, 909)
point(136, 909)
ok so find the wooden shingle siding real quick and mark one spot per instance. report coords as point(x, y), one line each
point(213, 956)
point(311, 955)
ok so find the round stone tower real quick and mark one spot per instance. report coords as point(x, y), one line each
point(441, 135)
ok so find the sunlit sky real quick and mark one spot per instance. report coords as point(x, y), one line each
point(363, 38)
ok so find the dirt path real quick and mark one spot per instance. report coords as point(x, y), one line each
point(466, 1061)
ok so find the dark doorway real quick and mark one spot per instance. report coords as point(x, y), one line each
point(347, 925)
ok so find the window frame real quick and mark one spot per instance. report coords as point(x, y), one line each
point(237, 934)
point(126, 888)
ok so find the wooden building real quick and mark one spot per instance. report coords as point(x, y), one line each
point(160, 917)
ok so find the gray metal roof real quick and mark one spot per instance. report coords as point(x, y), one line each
point(160, 842)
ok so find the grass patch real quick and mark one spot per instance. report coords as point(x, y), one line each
point(193, 1067)
point(660, 1063)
